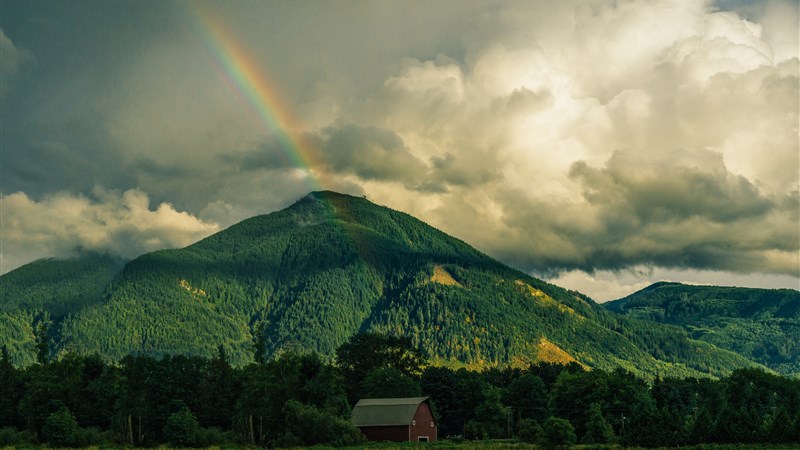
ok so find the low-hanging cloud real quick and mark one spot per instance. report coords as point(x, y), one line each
point(119, 223)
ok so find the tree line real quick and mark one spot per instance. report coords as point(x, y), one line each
point(302, 399)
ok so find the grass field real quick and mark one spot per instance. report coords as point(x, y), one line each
point(468, 445)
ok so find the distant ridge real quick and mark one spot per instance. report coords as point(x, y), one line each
point(760, 324)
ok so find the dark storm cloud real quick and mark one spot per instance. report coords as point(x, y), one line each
point(466, 169)
point(655, 190)
point(270, 155)
point(369, 152)
point(67, 58)
point(151, 167)
point(679, 210)
point(43, 166)
point(13, 59)
point(377, 154)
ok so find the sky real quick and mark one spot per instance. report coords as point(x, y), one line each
point(601, 145)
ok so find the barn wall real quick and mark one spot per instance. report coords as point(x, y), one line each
point(421, 426)
point(386, 433)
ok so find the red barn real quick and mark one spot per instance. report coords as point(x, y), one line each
point(395, 419)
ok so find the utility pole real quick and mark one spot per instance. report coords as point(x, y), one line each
point(623, 425)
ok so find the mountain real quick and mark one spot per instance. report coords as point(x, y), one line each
point(332, 265)
point(762, 325)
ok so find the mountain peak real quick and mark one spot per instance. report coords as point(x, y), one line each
point(331, 200)
point(660, 284)
point(328, 195)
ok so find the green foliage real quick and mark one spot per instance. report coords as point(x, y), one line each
point(309, 426)
point(388, 382)
point(300, 399)
point(364, 354)
point(476, 430)
point(573, 394)
point(302, 378)
point(557, 432)
point(182, 428)
point(598, 431)
point(55, 287)
point(259, 344)
point(42, 342)
point(760, 324)
point(780, 427)
point(43, 395)
point(11, 437)
point(61, 429)
point(10, 391)
point(59, 286)
point(527, 395)
point(93, 436)
point(492, 418)
point(529, 430)
point(217, 392)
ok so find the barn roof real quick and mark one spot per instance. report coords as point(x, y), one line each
point(385, 411)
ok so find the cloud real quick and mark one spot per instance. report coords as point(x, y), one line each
point(575, 135)
point(464, 169)
point(646, 133)
point(343, 149)
point(670, 187)
point(369, 152)
point(605, 285)
point(608, 285)
point(681, 210)
point(13, 59)
point(62, 163)
point(779, 21)
point(269, 155)
point(120, 223)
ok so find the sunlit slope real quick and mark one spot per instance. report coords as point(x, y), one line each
point(332, 265)
point(760, 324)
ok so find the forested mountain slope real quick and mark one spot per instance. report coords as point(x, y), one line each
point(760, 324)
point(331, 265)
point(50, 289)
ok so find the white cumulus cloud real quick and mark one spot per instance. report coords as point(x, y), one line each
point(120, 223)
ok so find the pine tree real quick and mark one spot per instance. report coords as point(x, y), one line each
point(61, 429)
point(182, 428)
point(259, 346)
point(42, 342)
point(10, 391)
point(557, 432)
point(388, 382)
point(528, 430)
point(598, 430)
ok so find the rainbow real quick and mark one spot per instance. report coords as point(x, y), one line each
point(255, 86)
